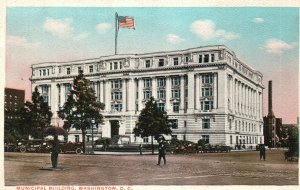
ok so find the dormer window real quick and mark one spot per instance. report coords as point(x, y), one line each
point(206, 58)
point(175, 61)
point(212, 57)
point(186, 59)
point(147, 64)
point(91, 68)
point(161, 62)
point(115, 65)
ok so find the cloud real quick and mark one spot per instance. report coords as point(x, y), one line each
point(174, 39)
point(206, 30)
point(278, 46)
point(103, 27)
point(59, 27)
point(258, 20)
point(81, 36)
point(21, 42)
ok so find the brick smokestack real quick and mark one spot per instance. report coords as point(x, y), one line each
point(271, 113)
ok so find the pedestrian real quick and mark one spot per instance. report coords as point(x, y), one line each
point(55, 152)
point(140, 147)
point(262, 152)
point(161, 151)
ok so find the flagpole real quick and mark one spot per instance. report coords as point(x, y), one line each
point(116, 34)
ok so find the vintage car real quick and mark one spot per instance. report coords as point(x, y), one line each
point(71, 147)
point(35, 145)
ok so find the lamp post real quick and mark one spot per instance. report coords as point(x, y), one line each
point(92, 121)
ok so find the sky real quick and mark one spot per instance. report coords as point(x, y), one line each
point(267, 39)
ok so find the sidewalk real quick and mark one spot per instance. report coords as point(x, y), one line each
point(123, 153)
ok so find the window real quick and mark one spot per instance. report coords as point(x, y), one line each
point(186, 59)
point(45, 89)
point(68, 88)
point(174, 136)
point(116, 96)
point(79, 69)
point(230, 124)
point(116, 107)
point(200, 58)
point(207, 91)
point(147, 64)
point(174, 123)
point(161, 106)
point(205, 123)
point(110, 66)
point(176, 107)
point(206, 58)
point(145, 139)
point(161, 82)
point(175, 61)
point(147, 94)
point(230, 139)
point(185, 124)
point(44, 72)
point(175, 81)
point(205, 139)
point(121, 65)
point(175, 93)
point(206, 105)
point(76, 138)
point(91, 68)
point(161, 94)
point(116, 84)
point(161, 62)
point(40, 72)
point(212, 57)
point(147, 83)
point(207, 79)
point(48, 72)
point(115, 65)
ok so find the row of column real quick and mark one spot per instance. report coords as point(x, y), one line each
point(244, 99)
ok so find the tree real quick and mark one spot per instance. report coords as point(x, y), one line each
point(81, 107)
point(152, 122)
point(293, 141)
point(36, 115)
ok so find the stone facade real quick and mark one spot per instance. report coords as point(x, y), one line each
point(207, 91)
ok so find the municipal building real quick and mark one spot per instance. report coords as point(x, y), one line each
point(208, 92)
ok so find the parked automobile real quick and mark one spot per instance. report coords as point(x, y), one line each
point(71, 147)
point(35, 145)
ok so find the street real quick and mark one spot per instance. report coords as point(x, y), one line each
point(235, 168)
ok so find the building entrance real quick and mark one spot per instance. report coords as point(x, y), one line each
point(114, 125)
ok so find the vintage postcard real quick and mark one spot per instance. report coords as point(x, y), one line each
point(150, 95)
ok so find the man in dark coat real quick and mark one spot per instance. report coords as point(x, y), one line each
point(55, 152)
point(161, 151)
point(262, 152)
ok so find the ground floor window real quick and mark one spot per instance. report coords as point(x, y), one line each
point(76, 138)
point(205, 139)
point(205, 123)
point(230, 139)
point(146, 139)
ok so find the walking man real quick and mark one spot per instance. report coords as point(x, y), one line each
point(161, 151)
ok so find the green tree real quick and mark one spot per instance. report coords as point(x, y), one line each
point(36, 116)
point(293, 141)
point(81, 107)
point(152, 122)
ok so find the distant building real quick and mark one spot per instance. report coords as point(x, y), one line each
point(207, 91)
point(13, 102)
point(272, 125)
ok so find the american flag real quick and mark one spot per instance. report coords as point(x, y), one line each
point(126, 22)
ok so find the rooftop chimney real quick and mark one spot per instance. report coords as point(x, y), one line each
point(271, 113)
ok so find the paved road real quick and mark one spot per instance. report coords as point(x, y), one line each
point(235, 168)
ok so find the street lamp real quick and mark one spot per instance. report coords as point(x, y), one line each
point(92, 121)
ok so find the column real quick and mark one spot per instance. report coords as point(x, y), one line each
point(168, 94)
point(101, 91)
point(215, 90)
point(140, 91)
point(197, 94)
point(131, 95)
point(62, 94)
point(124, 97)
point(181, 93)
point(54, 99)
point(154, 87)
point(107, 95)
point(96, 90)
point(191, 93)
